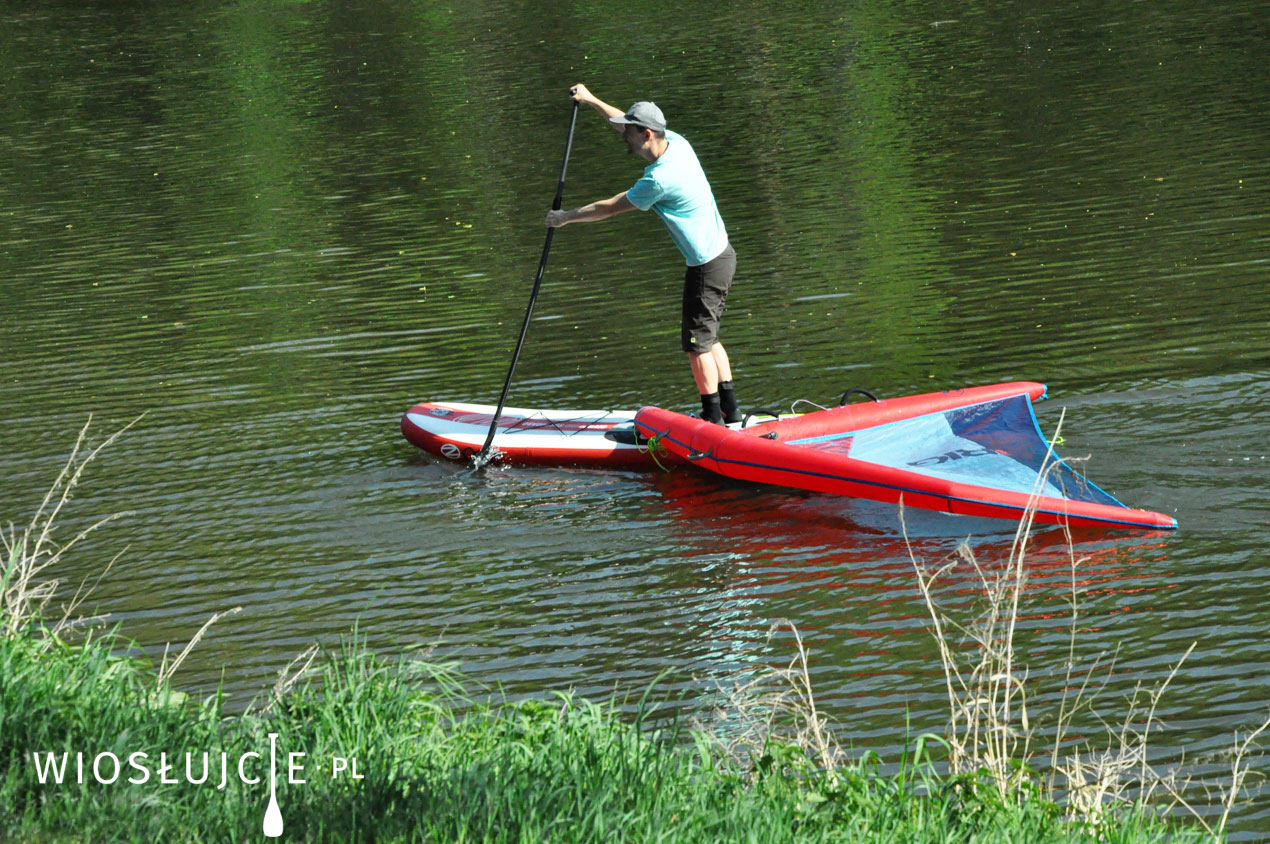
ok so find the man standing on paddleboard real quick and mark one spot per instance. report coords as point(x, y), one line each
point(675, 186)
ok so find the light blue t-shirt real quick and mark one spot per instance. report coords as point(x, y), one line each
point(675, 187)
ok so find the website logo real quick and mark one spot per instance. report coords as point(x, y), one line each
point(205, 769)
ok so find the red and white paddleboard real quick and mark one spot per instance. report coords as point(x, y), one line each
point(457, 432)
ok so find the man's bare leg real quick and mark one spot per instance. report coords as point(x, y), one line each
point(709, 368)
point(705, 370)
point(712, 370)
point(721, 362)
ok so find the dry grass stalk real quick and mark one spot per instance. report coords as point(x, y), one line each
point(1119, 774)
point(295, 671)
point(990, 729)
point(778, 706)
point(989, 726)
point(25, 588)
point(1238, 774)
point(1230, 792)
point(165, 670)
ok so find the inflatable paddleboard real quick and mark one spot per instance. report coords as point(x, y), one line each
point(977, 452)
point(457, 431)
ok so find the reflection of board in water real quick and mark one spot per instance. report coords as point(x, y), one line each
point(779, 516)
point(776, 540)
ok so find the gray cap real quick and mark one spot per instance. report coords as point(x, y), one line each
point(643, 114)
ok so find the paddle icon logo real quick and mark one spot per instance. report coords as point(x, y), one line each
point(273, 815)
point(206, 769)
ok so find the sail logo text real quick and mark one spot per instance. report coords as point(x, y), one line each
point(959, 454)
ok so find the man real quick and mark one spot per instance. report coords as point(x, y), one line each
point(674, 186)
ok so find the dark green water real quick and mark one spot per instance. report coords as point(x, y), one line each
point(272, 227)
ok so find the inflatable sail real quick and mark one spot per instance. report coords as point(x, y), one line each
point(976, 452)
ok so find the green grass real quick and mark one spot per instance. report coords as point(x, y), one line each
point(439, 767)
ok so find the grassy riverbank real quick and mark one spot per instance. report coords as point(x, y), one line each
point(556, 770)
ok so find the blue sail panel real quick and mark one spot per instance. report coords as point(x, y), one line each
point(995, 444)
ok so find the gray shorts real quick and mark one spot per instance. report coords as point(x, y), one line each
point(705, 293)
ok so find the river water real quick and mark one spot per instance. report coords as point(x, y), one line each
point(272, 227)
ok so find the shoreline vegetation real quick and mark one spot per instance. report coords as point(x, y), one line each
point(140, 761)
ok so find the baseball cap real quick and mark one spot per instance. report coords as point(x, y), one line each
point(644, 114)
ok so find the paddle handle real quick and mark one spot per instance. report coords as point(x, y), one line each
point(533, 296)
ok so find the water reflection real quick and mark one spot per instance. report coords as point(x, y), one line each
point(845, 575)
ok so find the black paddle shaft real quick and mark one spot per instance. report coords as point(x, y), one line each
point(533, 297)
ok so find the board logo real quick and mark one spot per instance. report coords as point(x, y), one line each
point(948, 457)
point(451, 451)
point(440, 411)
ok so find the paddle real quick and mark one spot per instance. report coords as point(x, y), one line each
point(483, 457)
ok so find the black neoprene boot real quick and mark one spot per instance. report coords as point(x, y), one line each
point(727, 403)
point(710, 409)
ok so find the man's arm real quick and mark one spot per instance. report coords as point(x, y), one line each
point(601, 210)
point(585, 97)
